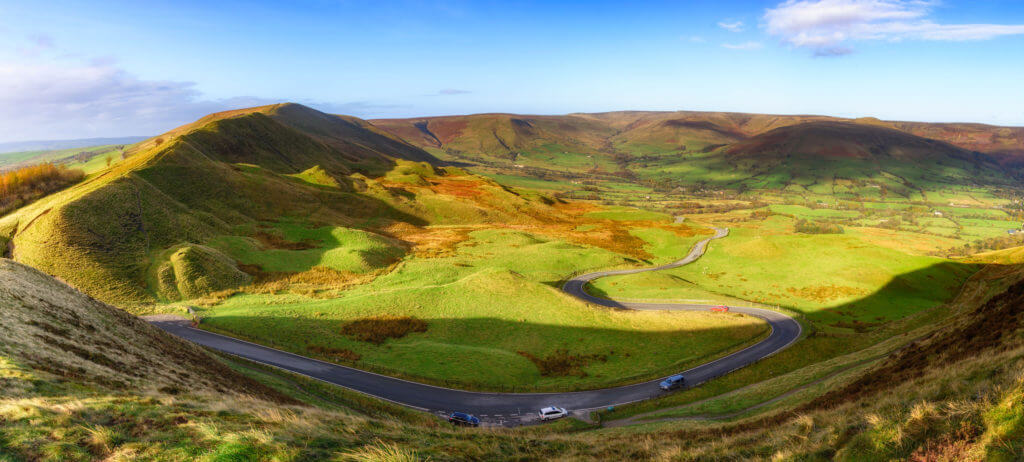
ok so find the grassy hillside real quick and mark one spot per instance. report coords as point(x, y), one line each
point(955, 394)
point(57, 331)
point(218, 182)
point(495, 318)
point(686, 148)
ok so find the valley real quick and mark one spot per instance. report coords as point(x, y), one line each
point(435, 250)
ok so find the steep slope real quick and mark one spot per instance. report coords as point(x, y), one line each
point(52, 328)
point(230, 174)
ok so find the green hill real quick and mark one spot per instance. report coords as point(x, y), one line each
point(230, 177)
point(820, 152)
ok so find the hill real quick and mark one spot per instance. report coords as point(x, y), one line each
point(823, 151)
point(639, 145)
point(188, 205)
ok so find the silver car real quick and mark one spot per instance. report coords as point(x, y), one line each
point(552, 412)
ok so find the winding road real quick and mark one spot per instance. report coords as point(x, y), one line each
point(509, 408)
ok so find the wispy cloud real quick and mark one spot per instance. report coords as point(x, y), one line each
point(734, 26)
point(36, 45)
point(453, 91)
point(58, 100)
point(743, 46)
point(829, 26)
point(697, 39)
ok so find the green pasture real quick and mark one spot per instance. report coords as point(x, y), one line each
point(496, 297)
point(829, 277)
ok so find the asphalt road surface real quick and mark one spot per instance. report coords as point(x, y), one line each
point(509, 408)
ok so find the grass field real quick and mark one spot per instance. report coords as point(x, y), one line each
point(483, 306)
point(620, 213)
point(342, 249)
point(833, 278)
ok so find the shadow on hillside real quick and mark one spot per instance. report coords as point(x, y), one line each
point(463, 350)
point(486, 347)
point(904, 295)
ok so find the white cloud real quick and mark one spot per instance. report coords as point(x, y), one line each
point(828, 26)
point(736, 26)
point(743, 46)
point(62, 100)
point(453, 91)
point(53, 100)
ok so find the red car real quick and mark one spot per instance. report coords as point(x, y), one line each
point(720, 309)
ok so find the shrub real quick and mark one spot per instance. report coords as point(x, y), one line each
point(377, 329)
point(22, 185)
point(815, 227)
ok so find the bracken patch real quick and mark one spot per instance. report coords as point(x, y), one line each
point(377, 329)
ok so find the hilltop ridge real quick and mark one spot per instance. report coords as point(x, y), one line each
point(180, 195)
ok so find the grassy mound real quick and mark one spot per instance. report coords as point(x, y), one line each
point(192, 271)
point(342, 249)
point(318, 176)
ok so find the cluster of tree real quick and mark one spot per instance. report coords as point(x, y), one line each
point(984, 245)
point(25, 184)
point(817, 227)
point(697, 207)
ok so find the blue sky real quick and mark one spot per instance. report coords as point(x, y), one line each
point(71, 69)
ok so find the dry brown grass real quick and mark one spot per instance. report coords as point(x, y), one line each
point(458, 187)
point(429, 242)
point(377, 329)
point(53, 328)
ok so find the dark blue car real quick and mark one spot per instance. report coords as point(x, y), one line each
point(463, 419)
point(673, 382)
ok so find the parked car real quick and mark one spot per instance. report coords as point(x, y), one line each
point(552, 412)
point(720, 309)
point(673, 382)
point(464, 420)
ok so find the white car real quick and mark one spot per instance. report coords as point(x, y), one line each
point(551, 413)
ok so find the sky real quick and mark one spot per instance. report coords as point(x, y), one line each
point(79, 69)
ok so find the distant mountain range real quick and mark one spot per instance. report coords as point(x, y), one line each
point(53, 145)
